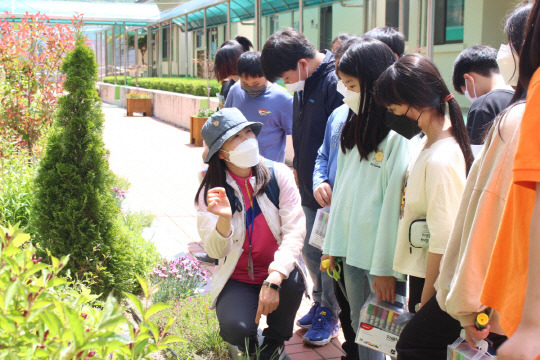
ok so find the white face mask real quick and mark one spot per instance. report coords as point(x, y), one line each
point(341, 88)
point(299, 85)
point(245, 155)
point(352, 99)
point(508, 64)
point(468, 94)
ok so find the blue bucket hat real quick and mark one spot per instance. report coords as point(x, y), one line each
point(222, 125)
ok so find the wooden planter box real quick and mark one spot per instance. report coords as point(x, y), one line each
point(139, 105)
point(195, 126)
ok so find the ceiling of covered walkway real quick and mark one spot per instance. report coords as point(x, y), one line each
point(148, 14)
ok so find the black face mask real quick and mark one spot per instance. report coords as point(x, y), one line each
point(401, 124)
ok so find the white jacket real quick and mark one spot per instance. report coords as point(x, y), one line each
point(288, 224)
point(466, 259)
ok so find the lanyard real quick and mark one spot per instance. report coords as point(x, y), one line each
point(249, 231)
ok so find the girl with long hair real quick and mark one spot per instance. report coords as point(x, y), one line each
point(414, 90)
point(367, 189)
point(415, 93)
point(250, 218)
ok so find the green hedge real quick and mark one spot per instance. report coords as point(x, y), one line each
point(192, 86)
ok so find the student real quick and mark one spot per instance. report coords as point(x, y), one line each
point(225, 62)
point(511, 285)
point(263, 101)
point(390, 36)
point(477, 76)
point(367, 190)
point(257, 243)
point(414, 90)
point(324, 175)
point(310, 74)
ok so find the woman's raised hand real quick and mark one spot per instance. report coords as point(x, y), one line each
point(218, 203)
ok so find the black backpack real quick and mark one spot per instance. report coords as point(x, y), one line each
point(272, 190)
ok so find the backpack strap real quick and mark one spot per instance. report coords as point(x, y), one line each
point(236, 204)
point(272, 189)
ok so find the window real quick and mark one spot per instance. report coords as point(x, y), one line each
point(274, 24)
point(164, 40)
point(448, 21)
point(199, 39)
point(392, 15)
point(213, 41)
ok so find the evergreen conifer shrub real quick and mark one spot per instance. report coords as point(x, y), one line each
point(73, 211)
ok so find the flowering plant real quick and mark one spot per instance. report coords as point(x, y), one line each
point(31, 53)
point(178, 279)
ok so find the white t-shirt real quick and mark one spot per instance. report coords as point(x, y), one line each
point(432, 191)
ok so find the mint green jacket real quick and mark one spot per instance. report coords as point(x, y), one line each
point(366, 203)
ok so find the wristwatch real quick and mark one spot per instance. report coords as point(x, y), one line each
point(272, 285)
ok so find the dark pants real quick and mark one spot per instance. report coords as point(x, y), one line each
point(237, 305)
point(428, 334)
point(349, 346)
point(416, 286)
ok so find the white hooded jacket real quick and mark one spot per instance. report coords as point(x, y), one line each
point(288, 225)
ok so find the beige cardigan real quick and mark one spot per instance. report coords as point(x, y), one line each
point(466, 259)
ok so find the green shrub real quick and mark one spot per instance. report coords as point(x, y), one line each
point(44, 316)
point(119, 80)
point(73, 212)
point(198, 325)
point(16, 177)
point(191, 86)
point(144, 254)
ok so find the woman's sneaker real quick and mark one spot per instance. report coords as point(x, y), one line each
point(324, 328)
point(305, 321)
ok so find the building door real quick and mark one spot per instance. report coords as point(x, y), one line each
point(326, 27)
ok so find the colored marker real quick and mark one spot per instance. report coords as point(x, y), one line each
point(369, 317)
point(481, 321)
point(382, 320)
point(393, 329)
point(389, 319)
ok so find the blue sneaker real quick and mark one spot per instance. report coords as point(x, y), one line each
point(305, 321)
point(324, 328)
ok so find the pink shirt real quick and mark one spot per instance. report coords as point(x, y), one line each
point(263, 242)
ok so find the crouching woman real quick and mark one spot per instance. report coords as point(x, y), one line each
point(249, 217)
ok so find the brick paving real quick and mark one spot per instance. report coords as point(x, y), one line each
point(162, 168)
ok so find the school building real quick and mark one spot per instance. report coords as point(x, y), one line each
point(172, 33)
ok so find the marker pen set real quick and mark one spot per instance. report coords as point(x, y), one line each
point(384, 318)
point(381, 323)
point(318, 233)
point(461, 350)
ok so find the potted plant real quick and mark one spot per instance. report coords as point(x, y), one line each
point(196, 123)
point(138, 103)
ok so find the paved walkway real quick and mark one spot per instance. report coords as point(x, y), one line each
point(162, 168)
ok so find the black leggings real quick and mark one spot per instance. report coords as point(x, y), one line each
point(237, 305)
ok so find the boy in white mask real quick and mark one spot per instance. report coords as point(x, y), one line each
point(310, 74)
point(477, 76)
